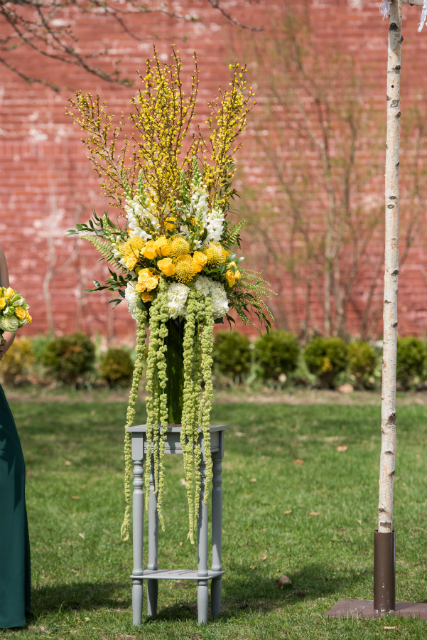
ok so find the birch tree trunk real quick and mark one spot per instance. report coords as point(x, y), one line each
point(391, 274)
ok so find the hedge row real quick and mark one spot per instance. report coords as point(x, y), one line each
point(68, 359)
point(276, 357)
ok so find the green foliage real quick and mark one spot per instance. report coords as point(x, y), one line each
point(17, 361)
point(410, 360)
point(116, 367)
point(326, 357)
point(69, 357)
point(277, 352)
point(361, 360)
point(232, 355)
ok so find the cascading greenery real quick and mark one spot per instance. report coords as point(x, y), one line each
point(173, 261)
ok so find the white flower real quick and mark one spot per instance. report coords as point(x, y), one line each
point(203, 284)
point(131, 297)
point(177, 299)
point(219, 300)
point(218, 294)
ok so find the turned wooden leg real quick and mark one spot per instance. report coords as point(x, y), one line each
point(153, 542)
point(138, 526)
point(202, 571)
point(216, 587)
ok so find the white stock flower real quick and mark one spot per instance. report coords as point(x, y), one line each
point(131, 297)
point(177, 299)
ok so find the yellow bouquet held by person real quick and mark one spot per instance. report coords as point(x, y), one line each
point(13, 311)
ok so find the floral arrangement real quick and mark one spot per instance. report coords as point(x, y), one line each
point(13, 311)
point(173, 259)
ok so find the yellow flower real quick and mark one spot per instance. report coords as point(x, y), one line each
point(28, 317)
point(9, 292)
point(200, 258)
point(215, 253)
point(162, 246)
point(149, 251)
point(20, 312)
point(132, 247)
point(170, 224)
point(179, 246)
point(185, 268)
point(147, 281)
point(236, 271)
point(231, 278)
point(2, 303)
point(146, 297)
point(166, 266)
point(130, 262)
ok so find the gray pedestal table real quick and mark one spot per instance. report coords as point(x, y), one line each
point(152, 574)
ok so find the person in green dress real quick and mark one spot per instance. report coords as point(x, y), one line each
point(15, 569)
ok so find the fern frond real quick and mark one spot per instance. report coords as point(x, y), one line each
point(104, 248)
point(231, 235)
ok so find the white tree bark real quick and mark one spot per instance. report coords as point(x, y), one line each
point(391, 274)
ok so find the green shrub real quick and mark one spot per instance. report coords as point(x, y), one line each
point(69, 357)
point(361, 360)
point(17, 360)
point(232, 354)
point(116, 367)
point(326, 358)
point(410, 360)
point(276, 352)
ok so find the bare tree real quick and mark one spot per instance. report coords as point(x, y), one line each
point(45, 28)
point(319, 215)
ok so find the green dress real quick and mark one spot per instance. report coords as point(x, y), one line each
point(15, 570)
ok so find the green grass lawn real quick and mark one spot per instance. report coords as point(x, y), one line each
point(81, 568)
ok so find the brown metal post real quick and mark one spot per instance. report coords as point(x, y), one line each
point(384, 572)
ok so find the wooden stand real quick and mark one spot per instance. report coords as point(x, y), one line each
point(152, 574)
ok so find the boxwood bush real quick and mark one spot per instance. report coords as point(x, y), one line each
point(410, 360)
point(69, 357)
point(232, 354)
point(276, 352)
point(17, 361)
point(326, 358)
point(361, 361)
point(116, 367)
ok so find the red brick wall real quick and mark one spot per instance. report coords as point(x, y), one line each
point(47, 184)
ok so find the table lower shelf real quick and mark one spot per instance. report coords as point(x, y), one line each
point(176, 574)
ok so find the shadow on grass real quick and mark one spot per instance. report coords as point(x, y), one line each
point(79, 596)
point(247, 589)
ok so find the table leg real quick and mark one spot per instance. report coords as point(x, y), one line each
point(138, 526)
point(153, 542)
point(202, 572)
point(216, 587)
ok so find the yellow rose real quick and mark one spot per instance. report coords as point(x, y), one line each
point(9, 292)
point(152, 283)
point(166, 266)
point(149, 251)
point(20, 312)
point(2, 303)
point(130, 262)
point(146, 297)
point(200, 258)
point(197, 266)
point(162, 246)
point(231, 279)
point(28, 317)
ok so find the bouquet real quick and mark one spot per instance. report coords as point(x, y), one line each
point(13, 311)
point(172, 253)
